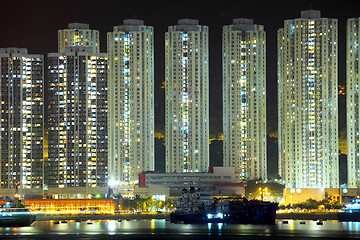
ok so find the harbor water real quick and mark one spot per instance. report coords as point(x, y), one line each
point(162, 229)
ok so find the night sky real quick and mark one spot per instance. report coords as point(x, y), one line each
point(34, 24)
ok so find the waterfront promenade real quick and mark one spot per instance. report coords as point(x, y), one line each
point(84, 217)
point(126, 217)
point(160, 229)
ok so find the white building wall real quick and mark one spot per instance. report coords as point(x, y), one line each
point(78, 34)
point(77, 119)
point(308, 105)
point(21, 122)
point(353, 101)
point(244, 98)
point(187, 97)
point(131, 101)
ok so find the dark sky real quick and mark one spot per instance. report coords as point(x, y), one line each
point(34, 25)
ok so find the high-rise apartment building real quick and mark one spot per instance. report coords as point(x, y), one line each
point(187, 97)
point(308, 105)
point(77, 123)
point(21, 122)
point(244, 98)
point(78, 34)
point(131, 102)
point(353, 101)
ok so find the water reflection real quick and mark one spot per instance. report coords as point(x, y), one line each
point(304, 229)
point(351, 226)
point(152, 223)
point(111, 226)
point(215, 228)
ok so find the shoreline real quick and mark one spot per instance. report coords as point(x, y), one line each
point(308, 216)
point(166, 216)
point(85, 217)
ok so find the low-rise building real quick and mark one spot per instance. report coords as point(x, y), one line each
point(218, 180)
point(72, 206)
point(300, 195)
point(157, 192)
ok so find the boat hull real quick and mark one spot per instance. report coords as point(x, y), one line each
point(263, 218)
point(193, 218)
point(348, 217)
point(264, 214)
point(186, 218)
point(17, 221)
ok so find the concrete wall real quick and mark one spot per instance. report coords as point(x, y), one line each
point(300, 195)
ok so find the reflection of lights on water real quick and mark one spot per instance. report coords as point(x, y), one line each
point(77, 225)
point(351, 226)
point(111, 226)
point(291, 225)
point(160, 223)
point(220, 225)
point(157, 223)
point(267, 232)
point(152, 223)
point(357, 226)
point(154, 226)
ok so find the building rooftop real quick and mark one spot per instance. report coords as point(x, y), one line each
point(14, 50)
point(187, 21)
point(243, 24)
point(187, 25)
point(310, 14)
point(133, 22)
point(130, 25)
point(78, 26)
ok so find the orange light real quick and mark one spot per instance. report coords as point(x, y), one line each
point(72, 206)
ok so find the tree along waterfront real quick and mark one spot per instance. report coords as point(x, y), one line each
point(147, 205)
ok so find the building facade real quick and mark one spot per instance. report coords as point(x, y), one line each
point(78, 34)
point(216, 179)
point(308, 105)
point(21, 122)
point(353, 101)
point(77, 122)
point(131, 101)
point(244, 98)
point(187, 97)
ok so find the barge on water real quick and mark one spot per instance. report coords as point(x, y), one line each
point(351, 212)
point(197, 207)
point(14, 214)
